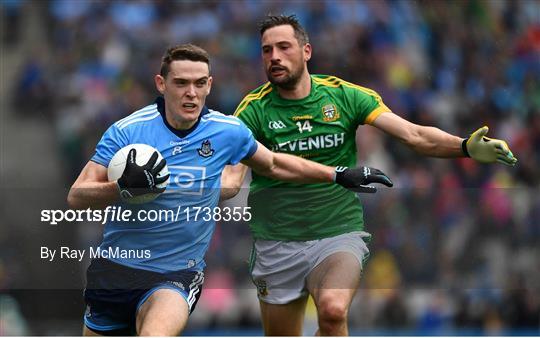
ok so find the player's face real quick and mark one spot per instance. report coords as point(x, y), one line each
point(185, 89)
point(285, 60)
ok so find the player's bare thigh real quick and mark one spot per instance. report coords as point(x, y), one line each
point(164, 313)
point(283, 319)
point(338, 271)
point(333, 284)
point(334, 281)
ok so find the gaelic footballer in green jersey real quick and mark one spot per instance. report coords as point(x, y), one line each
point(320, 127)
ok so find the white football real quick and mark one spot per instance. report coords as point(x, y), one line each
point(144, 152)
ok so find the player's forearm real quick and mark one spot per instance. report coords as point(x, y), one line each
point(431, 141)
point(95, 195)
point(296, 169)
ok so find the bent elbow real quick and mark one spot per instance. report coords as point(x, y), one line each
point(424, 142)
point(414, 140)
point(228, 193)
point(235, 191)
point(411, 138)
point(73, 201)
point(270, 171)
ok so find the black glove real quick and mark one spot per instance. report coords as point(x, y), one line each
point(139, 180)
point(357, 179)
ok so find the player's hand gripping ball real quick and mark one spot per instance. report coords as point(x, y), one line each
point(140, 171)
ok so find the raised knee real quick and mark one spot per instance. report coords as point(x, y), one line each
point(332, 311)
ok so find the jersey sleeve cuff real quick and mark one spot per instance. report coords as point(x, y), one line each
point(251, 151)
point(375, 113)
point(100, 160)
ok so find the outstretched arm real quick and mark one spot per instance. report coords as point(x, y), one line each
point(287, 167)
point(431, 141)
point(291, 168)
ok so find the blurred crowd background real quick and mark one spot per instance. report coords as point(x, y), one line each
point(456, 245)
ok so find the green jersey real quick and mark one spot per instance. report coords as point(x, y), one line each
point(320, 127)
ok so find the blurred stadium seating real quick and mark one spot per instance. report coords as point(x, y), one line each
point(456, 245)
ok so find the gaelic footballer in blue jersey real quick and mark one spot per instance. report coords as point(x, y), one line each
point(154, 294)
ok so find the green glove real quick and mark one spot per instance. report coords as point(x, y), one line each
point(487, 150)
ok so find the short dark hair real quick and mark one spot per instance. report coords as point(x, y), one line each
point(280, 20)
point(186, 51)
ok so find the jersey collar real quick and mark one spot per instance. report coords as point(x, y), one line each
point(160, 101)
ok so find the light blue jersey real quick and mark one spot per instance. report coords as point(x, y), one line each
point(195, 159)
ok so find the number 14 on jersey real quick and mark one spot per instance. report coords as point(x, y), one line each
point(306, 126)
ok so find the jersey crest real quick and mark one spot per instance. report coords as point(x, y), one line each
point(206, 149)
point(262, 288)
point(330, 113)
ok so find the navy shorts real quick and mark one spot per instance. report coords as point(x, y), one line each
point(114, 293)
